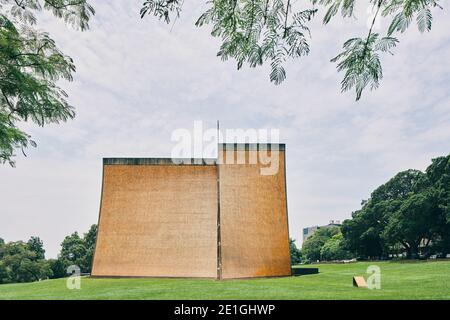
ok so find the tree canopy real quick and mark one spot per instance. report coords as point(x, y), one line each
point(312, 246)
point(254, 32)
point(19, 262)
point(25, 261)
point(333, 249)
point(36, 245)
point(30, 66)
point(296, 254)
point(410, 211)
point(76, 250)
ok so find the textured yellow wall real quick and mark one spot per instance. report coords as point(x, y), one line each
point(157, 220)
point(160, 220)
point(254, 227)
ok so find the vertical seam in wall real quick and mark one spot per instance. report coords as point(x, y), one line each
point(219, 243)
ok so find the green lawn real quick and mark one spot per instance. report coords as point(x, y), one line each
point(399, 280)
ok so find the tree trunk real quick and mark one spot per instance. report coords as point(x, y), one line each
point(408, 250)
point(415, 250)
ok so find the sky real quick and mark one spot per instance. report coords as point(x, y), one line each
point(138, 80)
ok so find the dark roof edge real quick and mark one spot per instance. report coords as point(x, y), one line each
point(196, 161)
point(160, 161)
point(252, 146)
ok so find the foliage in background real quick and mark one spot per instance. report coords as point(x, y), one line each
point(296, 254)
point(90, 238)
point(274, 31)
point(25, 262)
point(408, 215)
point(36, 245)
point(410, 211)
point(311, 248)
point(30, 66)
point(76, 250)
point(333, 249)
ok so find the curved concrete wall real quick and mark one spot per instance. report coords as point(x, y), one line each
point(158, 221)
point(254, 226)
point(211, 219)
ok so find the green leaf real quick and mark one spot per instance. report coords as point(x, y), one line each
point(424, 20)
point(385, 44)
point(162, 9)
point(361, 63)
point(331, 12)
point(399, 23)
point(347, 8)
point(31, 65)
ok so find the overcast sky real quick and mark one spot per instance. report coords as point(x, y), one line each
point(137, 81)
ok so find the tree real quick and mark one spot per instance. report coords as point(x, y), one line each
point(90, 239)
point(58, 268)
point(296, 254)
point(363, 233)
point(19, 264)
point(333, 249)
point(3, 270)
point(36, 245)
point(73, 251)
point(416, 221)
point(312, 246)
point(2, 247)
point(274, 31)
point(410, 211)
point(438, 174)
point(400, 186)
point(25, 262)
point(30, 66)
point(76, 250)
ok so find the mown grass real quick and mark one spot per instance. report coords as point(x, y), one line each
point(399, 280)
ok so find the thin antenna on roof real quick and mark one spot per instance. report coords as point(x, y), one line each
point(218, 132)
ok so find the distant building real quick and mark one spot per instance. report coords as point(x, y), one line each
point(309, 231)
